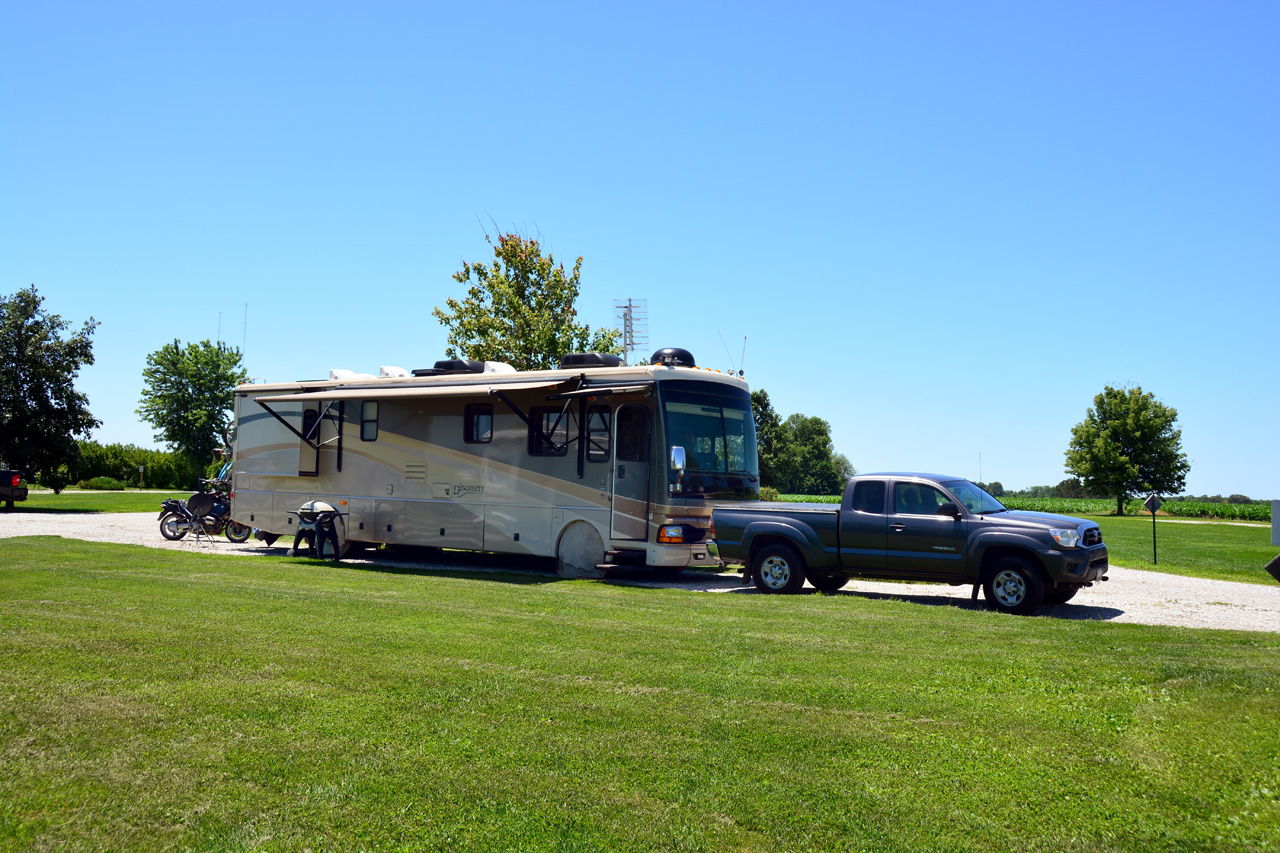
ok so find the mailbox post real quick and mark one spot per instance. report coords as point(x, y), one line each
point(1152, 503)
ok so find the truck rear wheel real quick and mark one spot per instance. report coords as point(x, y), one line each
point(777, 569)
point(1014, 586)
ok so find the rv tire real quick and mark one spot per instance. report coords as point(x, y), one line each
point(580, 551)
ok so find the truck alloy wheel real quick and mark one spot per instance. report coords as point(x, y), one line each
point(778, 569)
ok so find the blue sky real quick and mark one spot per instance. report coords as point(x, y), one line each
point(941, 227)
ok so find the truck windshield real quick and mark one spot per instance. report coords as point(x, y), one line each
point(974, 498)
point(713, 423)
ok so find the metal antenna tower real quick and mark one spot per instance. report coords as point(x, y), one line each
point(633, 320)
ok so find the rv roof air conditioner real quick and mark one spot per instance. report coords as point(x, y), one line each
point(673, 357)
point(590, 359)
point(337, 374)
point(452, 366)
point(388, 372)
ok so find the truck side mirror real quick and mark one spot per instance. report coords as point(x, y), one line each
point(950, 509)
point(677, 458)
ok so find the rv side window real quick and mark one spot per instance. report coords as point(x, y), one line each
point(477, 424)
point(369, 420)
point(633, 434)
point(598, 434)
point(545, 418)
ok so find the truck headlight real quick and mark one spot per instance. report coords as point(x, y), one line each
point(1067, 538)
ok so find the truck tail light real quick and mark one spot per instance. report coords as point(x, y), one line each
point(17, 481)
point(711, 531)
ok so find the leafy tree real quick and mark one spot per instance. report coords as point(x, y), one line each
point(771, 438)
point(1070, 488)
point(188, 395)
point(520, 309)
point(1127, 444)
point(810, 464)
point(41, 412)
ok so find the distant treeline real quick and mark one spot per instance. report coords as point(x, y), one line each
point(160, 469)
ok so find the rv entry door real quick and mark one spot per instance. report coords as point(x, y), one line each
point(629, 516)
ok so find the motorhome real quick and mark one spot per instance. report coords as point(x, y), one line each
point(595, 464)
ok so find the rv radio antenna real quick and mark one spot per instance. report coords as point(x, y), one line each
point(633, 319)
point(726, 351)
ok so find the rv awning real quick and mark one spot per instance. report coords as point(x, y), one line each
point(476, 389)
point(603, 390)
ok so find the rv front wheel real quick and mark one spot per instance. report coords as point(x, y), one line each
point(580, 551)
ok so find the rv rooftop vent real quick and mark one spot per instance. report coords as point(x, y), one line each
point(590, 359)
point(673, 357)
point(387, 372)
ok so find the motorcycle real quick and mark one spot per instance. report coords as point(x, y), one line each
point(211, 511)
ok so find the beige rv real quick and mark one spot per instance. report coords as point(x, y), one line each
point(593, 464)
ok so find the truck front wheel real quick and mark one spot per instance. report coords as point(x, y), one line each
point(777, 569)
point(1014, 586)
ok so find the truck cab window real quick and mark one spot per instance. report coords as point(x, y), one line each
point(917, 499)
point(869, 497)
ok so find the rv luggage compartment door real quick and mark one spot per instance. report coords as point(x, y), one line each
point(629, 518)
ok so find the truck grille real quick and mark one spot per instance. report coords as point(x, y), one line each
point(1092, 536)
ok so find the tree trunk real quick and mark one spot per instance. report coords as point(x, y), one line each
point(1119, 504)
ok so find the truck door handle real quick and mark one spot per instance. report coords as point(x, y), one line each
point(898, 527)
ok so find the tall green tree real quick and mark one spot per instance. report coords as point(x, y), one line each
point(520, 309)
point(41, 412)
point(188, 395)
point(812, 467)
point(771, 439)
point(1128, 444)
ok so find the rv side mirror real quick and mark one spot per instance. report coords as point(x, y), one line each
point(950, 509)
point(677, 459)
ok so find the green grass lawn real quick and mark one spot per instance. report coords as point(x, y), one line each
point(165, 700)
point(1203, 550)
point(75, 500)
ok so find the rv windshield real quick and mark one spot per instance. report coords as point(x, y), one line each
point(713, 423)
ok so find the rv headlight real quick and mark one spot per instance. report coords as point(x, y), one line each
point(671, 534)
point(1067, 538)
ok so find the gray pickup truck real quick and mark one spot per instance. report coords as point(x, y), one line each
point(919, 527)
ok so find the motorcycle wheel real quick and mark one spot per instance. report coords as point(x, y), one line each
point(173, 527)
point(238, 532)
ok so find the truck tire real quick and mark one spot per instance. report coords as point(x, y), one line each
point(1060, 596)
point(777, 569)
point(828, 583)
point(1014, 586)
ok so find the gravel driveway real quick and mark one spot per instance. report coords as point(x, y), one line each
point(1149, 598)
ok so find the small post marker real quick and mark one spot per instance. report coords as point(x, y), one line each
point(1152, 503)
